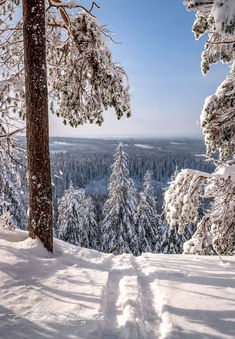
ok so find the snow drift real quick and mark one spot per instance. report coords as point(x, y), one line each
point(81, 293)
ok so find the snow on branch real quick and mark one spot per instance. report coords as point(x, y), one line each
point(201, 240)
point(217, 227)
point(217, 18)
point(220, 14)
point(72, 5)
point(218, 119)
point(83, 80)
point(182, 198)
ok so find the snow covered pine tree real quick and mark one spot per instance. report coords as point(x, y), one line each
point(119, 229)
point(149, 232)
point(218, 124)
point(76, 220)
point(64, 40)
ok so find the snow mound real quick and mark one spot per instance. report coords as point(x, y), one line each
point(81, 293)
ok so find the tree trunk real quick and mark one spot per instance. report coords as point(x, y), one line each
point(39, 175)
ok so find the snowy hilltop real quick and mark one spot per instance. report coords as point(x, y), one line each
point(82, 293)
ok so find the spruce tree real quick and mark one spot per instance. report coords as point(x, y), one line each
point(148, 220)
point(119, 229)
point(76, 220)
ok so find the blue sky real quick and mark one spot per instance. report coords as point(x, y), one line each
point(162, 60)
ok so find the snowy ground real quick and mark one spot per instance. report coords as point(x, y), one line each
point(79, 293)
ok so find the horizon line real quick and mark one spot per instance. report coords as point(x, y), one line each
point(125, 137)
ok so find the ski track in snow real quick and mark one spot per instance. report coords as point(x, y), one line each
point(84, 294)
point(128, 303)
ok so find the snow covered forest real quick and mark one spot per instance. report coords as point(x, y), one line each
point(121, 238)
point(91, 172)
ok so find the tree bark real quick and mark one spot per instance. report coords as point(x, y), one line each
point(39, 174)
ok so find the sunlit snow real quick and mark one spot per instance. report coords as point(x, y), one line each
point(81, 293)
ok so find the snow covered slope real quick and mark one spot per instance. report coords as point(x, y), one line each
point(80, 293)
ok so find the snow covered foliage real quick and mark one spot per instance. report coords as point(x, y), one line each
point(171, 241)
point(217, 226)
point(201, 241)
point(147, 218)
point(218, 118)
point(182, 198)
point(12, 196)
point(215, 15)
point(217, 18)
point(89, 81)
point(119, 229)
point(76, 221)
point(6, 221)
point(82, 78)
point(12, 61)
point(221, 186)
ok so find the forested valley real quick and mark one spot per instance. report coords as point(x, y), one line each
point(85, 164)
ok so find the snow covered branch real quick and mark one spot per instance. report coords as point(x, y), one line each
point(217, 18)
point(218, 119)
point(182, 198)
point(217, 227)
point(72, 5)
point(83, 79)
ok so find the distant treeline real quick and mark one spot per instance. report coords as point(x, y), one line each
point(81, 169)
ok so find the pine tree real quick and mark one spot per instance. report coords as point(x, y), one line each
point(119, 230)
point(62, 39)
point(148, 219)
point(76, 220)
